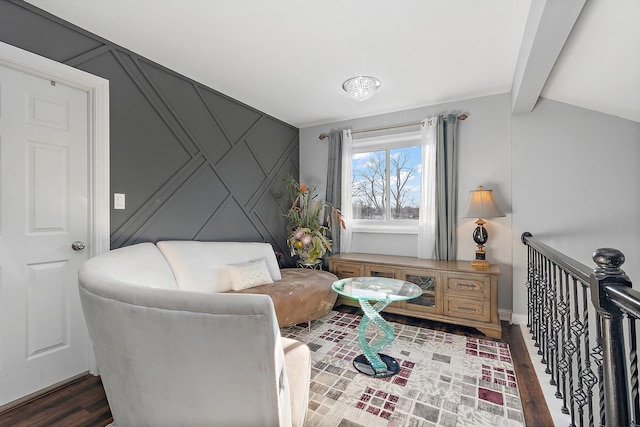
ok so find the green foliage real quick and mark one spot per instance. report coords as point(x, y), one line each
point(307, 234)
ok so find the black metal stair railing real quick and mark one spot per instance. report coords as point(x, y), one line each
point(576, 319)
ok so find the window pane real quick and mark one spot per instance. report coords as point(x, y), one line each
point(405, 177)
point(368, 185)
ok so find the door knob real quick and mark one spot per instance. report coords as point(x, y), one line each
point(78, 245)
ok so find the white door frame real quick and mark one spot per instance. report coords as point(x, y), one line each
point(97, 89)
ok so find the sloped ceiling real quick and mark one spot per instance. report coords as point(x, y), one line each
point(289, 58)
point(599, 68)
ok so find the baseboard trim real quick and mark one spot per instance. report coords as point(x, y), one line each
point(520, 319)
point(504, 315)
point(33, 396)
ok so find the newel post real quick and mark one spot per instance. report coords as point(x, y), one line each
point(616, 392)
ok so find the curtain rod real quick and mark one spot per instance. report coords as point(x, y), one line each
point(325, 135)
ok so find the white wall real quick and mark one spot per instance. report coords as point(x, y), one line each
point(484, 158)
point(575, 186)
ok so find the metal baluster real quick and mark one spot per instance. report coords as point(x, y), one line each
point(536, 295)
point(548, 317)
point(544, 314)
point(529, 286)
point(570, 349)
point(562, 360)
point(578, 395)
point(581, 333)
point(633, 371)
point(539, 303)
point(596, 354)
point(555, 327)
point(587, 376)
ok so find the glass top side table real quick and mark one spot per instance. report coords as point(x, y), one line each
point(383, 291)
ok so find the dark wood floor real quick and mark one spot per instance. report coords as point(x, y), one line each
point(83, 403)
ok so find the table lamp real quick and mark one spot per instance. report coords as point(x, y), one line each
point(481, 205)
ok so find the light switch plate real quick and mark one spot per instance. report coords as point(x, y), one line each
point(118, 201)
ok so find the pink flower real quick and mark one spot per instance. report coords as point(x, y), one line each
point(306, 239)
point(298, 233)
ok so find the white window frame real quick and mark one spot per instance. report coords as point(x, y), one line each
point(383, 143)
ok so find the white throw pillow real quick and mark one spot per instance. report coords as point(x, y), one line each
point(249, 274)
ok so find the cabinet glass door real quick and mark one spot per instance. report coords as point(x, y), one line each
point(381, 271)
point(344, 270)
point(429, 282)
point(384, 271)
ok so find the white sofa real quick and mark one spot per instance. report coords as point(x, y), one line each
point(174, 349)
point(298, 295)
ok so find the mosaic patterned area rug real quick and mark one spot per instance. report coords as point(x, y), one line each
point(445, 379)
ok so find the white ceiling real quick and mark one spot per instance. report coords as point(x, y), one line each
point(289, 58)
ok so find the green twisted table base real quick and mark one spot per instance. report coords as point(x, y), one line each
point(374, 363)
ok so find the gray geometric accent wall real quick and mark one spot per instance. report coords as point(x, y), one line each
point(194, 164)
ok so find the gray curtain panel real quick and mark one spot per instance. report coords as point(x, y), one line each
point(446, 188)
point(334, 182)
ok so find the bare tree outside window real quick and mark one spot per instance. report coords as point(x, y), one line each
point(373, 188)
point(369, 186)
point(403, 204)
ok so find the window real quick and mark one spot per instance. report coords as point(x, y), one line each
point(386, 182)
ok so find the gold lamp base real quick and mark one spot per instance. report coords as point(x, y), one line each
point(481, 257)
point(480, 263)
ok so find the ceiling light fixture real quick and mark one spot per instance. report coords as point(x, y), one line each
point(361, 87)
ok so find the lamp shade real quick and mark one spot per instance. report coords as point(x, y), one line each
point(482, 204)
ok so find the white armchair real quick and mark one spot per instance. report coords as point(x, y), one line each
point(178, 358)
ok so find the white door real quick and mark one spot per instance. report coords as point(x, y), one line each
point(43, 210)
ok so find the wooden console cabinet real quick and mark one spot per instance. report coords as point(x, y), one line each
point(452, 291)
